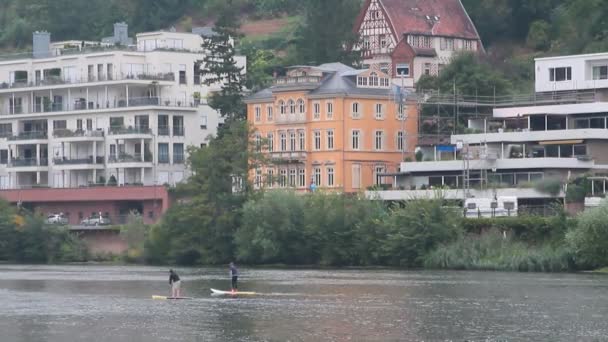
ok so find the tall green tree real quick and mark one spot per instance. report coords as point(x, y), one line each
point(219, 66)
point(326, 32)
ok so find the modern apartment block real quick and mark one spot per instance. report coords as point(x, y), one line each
point(331, 127)
point(123, 113)
point(562, 133)
point(407, 39)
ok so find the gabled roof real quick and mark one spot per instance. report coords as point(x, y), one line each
point(429, 17)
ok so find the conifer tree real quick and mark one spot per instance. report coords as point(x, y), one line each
point(219, 66)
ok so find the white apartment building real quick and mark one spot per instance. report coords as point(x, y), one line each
point(558, 135)
point(78, 113)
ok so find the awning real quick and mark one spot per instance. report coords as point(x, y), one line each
point(561, 142)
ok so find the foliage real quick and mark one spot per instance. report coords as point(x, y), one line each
point(549, 186)
point(492, 251)
point(219, 66)
point(25, 238)
point(325, 31)
point(467, 74)
point(589, 240)
point(135, 233)
point(539, 35)
point(577, 190)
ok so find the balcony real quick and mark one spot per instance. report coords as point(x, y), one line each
point(78, 161)
point(79, 133)
point(28, 163)
point(80, 105)
point(128, 158)
point(525, 135)
point(29, 136)
point(289, 157)
point(54, 81)
point(300, 82)
point(135, 131)
point(286, 119)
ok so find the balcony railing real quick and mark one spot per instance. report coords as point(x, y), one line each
point(30, 136)
point(163, 131)
point(294, 81)
point(178, 131)
point(80, 105)
point(58, 80)
point(533, 99)
point(178, 159)
point(26, 162)
point(129, 130)
point(78, 161)
point(67, 133)
point(289, 156)
point(128, 158)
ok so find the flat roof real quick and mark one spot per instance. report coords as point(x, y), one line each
point(588, 55)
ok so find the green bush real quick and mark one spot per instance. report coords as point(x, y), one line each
point(493, 251)
point(589, 240)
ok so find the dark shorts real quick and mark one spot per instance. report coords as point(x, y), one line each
point(234, 281)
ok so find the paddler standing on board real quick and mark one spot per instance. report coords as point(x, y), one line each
point(176, 284)
point(234, 275)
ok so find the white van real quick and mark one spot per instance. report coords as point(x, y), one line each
point(490, 207)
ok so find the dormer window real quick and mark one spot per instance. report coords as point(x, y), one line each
point(373, 79)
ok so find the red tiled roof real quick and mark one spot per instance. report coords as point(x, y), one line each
point(410, 16)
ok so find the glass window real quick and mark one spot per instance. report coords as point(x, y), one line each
point(600, 72)
point(292, 178)
point(560, 74)
point(379, 140)
point(552, 151)
point(565, 151)
point(522, 178)
point(330, 176)
point(316, 111)
point(163, 125)
point(597, 123)
point(178, 126)
point(317, 135)
point(301, 106)
point(292, 141)
point(283, 141)
point(302, 140)
point(163, 153)
point(400, 141)
point(270, 138)
point(301, 178)
point(330, 139)
point(356, 114)
point(258, 113)
point(356, 135)
point(580, 150)
point(379, 111)
point(178, 153)
point(283, 178)
point(581, 123)
point(3, 157)
point(316, 173)
point(269, 113)
point(330, 110)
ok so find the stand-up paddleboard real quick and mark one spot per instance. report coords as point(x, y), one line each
point(169, 298)
point(231, 293)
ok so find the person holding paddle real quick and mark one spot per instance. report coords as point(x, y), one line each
point(175, 283)
point(234, 274)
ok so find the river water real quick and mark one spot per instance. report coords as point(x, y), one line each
point(113, 303)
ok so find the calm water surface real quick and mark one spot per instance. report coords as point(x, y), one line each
point(108, 303)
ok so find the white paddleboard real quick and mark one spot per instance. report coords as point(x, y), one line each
point(169, 298)
point(231, 293)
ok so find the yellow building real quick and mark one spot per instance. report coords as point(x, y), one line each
point(333, 127)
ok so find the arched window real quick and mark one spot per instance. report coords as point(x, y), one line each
point(301, 107)
point(292, 106)
point(282, 107)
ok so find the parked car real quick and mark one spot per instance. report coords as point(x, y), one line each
point(57, 219)
point(96, 220)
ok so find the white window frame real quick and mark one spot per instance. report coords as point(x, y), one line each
point(301, 178)
point(379, 113)
point(258, 113)
point(356, 176)
point(269, 113)
point(317, 176)
point(330, 139)
point(379, 140)
point(356, 110)
point(331, 176)
point(301, 106)
point(403, 66)
point(355, 139)
point(302, 140)
point(316, 112)
point(270, 138)
point(317, 140)
point(400, 141)
point(330, 110)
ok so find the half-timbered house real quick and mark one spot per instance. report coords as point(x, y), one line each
point(410, 38)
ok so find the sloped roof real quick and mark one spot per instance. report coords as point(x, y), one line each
point(410, 16)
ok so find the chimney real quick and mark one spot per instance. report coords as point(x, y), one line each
point(41, 43)
point(121, 33)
